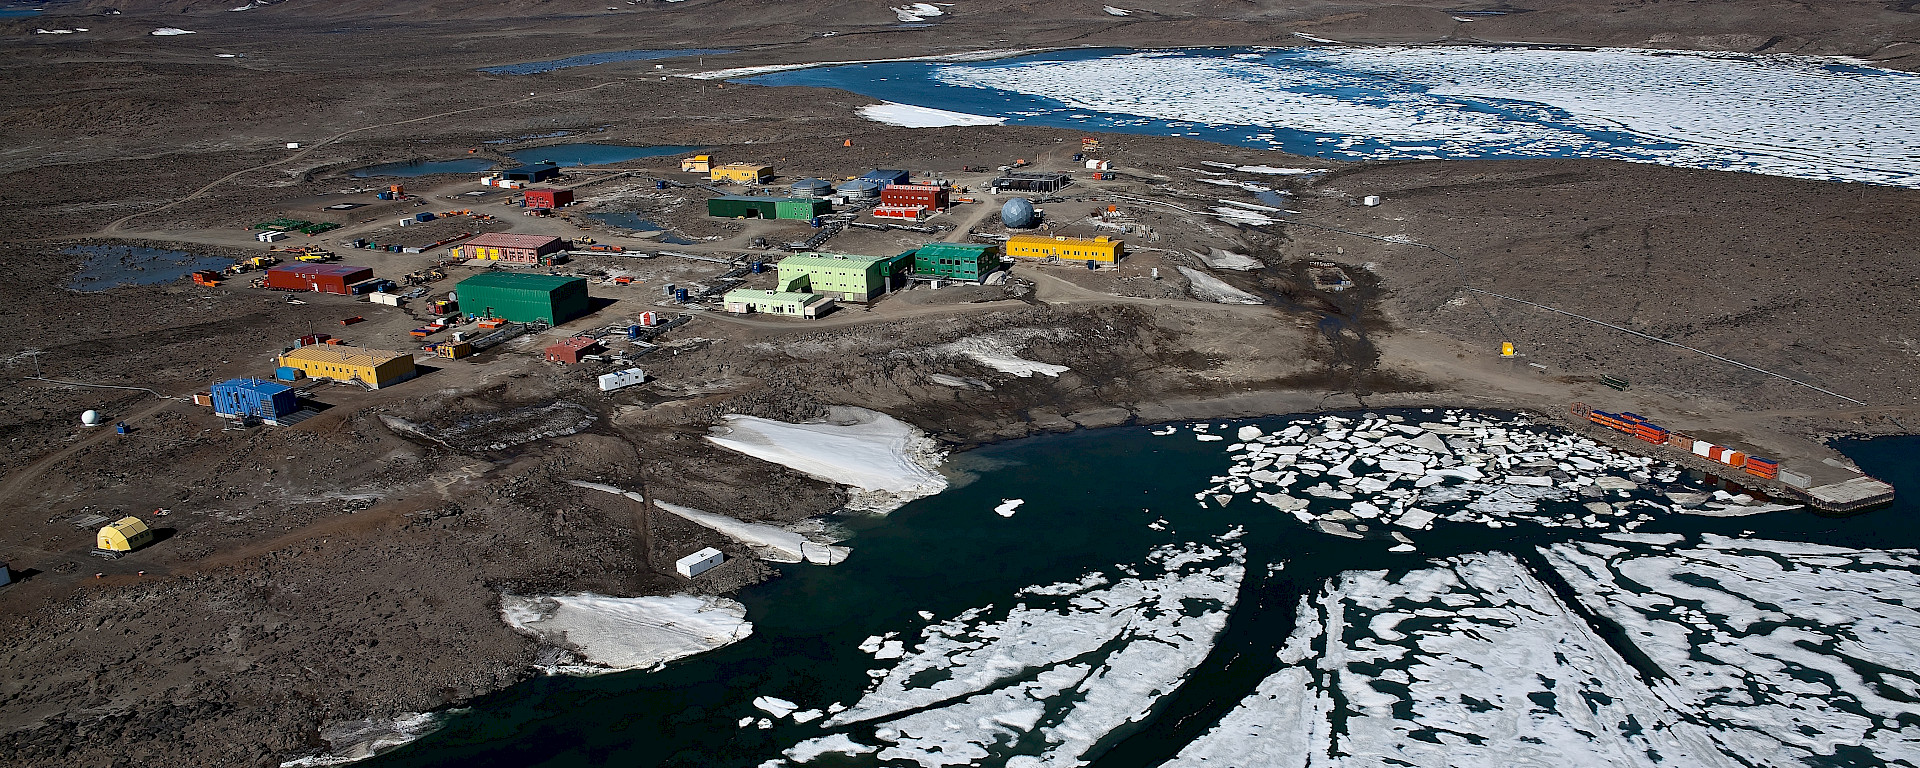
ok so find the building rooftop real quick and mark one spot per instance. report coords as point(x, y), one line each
point(746, 165)
point(954, 249)
point(506, 240)
point(306, 268)
point(757, 294)
point(575, 343)
point(260, 386)
point(915, 188)
point(809, 259)
point(1102, 240)
point(517, 280)
point(768, 198)
point(341, 354)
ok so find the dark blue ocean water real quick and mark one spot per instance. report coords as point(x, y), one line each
point(1089, 498)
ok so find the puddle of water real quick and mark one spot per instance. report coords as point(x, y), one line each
point(112, 266)
point(591, 59)
point(424, 168)
point(571, 155)
point(634, 222)
point(18, 13)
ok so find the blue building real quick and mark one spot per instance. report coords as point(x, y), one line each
point(885, 176)
point(254, 397)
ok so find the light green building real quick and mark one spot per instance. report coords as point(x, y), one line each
point(845, 276)
point(748, 300)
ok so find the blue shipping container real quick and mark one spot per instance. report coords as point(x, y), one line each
point(254, 397)
point(289, 373)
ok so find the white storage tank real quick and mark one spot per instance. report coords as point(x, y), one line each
point(699, 562)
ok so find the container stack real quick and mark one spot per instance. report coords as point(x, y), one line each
point(1632, 424)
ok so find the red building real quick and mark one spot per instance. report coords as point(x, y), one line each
point(513, 249)
point(549, 198)
point(931, 197)
point(571, 350)
point(906, 212)
point(322, 278)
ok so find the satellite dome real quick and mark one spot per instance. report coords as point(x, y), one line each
point(1018, 213)
point(90, 418)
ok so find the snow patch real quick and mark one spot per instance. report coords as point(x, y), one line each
point(612, 634)
point(1209, 288)
point(910, 116)
point(889, 460)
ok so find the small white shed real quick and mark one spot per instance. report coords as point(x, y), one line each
point(699, 562)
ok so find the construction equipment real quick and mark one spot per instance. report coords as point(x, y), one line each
point(206, 277)
point(262, 262)
point(1506, 349)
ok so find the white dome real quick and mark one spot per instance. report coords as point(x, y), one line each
point(90, 418)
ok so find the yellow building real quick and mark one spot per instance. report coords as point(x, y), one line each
point(696, 164)
point(126, 535)
point(1102, 249)
point(744, 173)
point(375, 368)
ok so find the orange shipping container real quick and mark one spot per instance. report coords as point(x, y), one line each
point(1734, 459)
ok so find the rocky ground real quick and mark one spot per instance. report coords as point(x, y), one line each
point(350, 567)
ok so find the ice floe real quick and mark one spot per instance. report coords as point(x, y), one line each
point(768, 542)
point(1820, 118)
point(889, 461)
point(1059, 671)
point(1463, 468)
point(910, 116)
point(170, 31)
point(1792, 651)
point(1474, 662)
point(1007, 507)
point(1209, 288)
point(611, 634)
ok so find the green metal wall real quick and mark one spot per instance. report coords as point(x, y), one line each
point(526, 305)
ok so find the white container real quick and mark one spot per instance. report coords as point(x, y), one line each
point(1370, 200)
point(389, 299)
point(293, 145)
point(618, 379)
point(1701, 447)
point(486, 181)
point(407, 222)
point(699, 562)
point(270, 237)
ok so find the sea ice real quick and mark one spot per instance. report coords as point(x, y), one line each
point(1007, 506)
point(1090, 660)
point(777, 707)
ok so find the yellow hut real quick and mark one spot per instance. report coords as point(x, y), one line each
point(126, 535)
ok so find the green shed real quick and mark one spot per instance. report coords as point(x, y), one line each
point(759, 207)
point(549, 299)
point(955, 261)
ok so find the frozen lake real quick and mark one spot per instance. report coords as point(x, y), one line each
point(1291, 592)
point(1789, 116)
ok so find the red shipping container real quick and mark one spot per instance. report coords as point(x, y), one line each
point(549, 198)
point(323, 278)
point(571, 350)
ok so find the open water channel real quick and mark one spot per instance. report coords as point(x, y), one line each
point(1010, 653)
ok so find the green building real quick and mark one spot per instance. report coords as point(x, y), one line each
point(747, 300)
point(755, 207)
point(844, 276)
point(522, 298)
point(955, 261)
